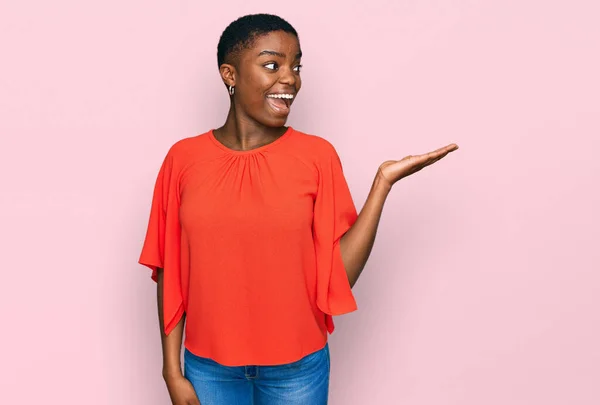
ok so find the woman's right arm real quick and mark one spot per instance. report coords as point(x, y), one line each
point(180, 389)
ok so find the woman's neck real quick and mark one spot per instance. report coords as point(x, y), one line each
point(243, 133)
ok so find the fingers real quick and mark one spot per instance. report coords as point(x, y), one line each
point(437, 154)
point(418, 162)
point(445, 150)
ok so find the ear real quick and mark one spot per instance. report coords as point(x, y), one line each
point(228, 74)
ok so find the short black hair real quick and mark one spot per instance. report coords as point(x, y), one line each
point(241, 33)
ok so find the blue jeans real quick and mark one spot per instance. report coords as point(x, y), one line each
point(303, 382)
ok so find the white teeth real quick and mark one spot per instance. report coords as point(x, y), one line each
point(288, 96)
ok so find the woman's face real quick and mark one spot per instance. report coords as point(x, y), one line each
point(267, 78)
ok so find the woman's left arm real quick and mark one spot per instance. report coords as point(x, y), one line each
point(357, 242)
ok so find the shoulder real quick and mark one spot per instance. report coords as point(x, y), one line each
point(185, 146)
point(316, 145)
point(183, 150)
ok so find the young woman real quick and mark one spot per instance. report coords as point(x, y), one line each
point(254, 239)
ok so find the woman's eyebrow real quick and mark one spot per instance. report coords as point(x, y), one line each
point(275, 53)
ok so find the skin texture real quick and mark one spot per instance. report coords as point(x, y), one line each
point(271, 65)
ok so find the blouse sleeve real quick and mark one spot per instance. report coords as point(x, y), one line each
point(334, 214)
point(162, 245)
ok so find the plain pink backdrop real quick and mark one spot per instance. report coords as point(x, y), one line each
point(483, 286)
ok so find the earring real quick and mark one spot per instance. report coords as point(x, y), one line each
point(231, 90)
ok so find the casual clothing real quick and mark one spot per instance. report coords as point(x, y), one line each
point(249, 244)
point(304, 382)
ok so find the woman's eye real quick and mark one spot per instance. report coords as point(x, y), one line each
point(271, 66)
point(298, 68)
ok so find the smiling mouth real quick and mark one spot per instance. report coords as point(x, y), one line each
point(280, 103)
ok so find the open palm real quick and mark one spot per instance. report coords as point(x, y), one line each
point(394, 170)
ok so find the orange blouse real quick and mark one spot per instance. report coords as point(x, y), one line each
point(249, 244)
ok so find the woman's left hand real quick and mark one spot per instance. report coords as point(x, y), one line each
point(393, 170)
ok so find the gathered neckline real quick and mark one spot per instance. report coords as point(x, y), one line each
point(262, 148)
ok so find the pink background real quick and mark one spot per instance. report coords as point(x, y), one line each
point(483, 287)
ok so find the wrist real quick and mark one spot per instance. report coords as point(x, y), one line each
point(171, 373)
point(381, 184)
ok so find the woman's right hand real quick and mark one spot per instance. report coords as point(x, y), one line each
point(181, 391)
